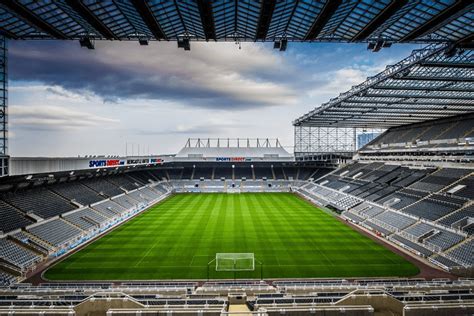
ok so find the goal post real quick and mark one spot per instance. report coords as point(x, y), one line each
point(233, 262)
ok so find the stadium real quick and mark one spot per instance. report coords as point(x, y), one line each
point(371, 212)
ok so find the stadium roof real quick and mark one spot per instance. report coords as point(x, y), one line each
point(381, 22)
point(434, 82)
point(233, 147)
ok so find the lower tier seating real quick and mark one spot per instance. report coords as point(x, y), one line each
point(444, 239)
point(109, 208)
point(17, 255)
point(412, 245)
point(86, 219)
point(6, 278)
point(464, 253)
point(56, 232)
point(395, 220)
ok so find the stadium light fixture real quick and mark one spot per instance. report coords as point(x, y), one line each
point(87, 42)
point(184, 43)
point(378, 45)
point(280, 45)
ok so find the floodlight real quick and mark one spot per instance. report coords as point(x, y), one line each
point(378, 46)
point(281, 45)
point(86, 42)
point(184, 43)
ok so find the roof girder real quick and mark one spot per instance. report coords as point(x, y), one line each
point(446, 79)
point(326, 13)
point(392, 109)
point(384, 116)
point(26, 14)
point(401, 102)
point(390, 10)
point(413, 88)
point(95, 22)
point(446, 64)
point(437, 20)
point(144, 10)
point(207, 20)
point(266, 13)
point(416, 96)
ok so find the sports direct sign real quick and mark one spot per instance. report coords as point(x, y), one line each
point(233, 159)
point(122, 162)
point(106, 163)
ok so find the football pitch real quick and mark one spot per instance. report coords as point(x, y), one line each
point(177, 238)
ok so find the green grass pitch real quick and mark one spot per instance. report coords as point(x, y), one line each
point(176, 239)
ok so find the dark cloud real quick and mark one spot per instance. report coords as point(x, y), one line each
point(207, 77)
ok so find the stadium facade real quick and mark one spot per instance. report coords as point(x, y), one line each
point(411, 189)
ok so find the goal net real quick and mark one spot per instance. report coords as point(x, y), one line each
point(235, 262)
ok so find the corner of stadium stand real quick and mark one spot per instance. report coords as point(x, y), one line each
point(392, 158)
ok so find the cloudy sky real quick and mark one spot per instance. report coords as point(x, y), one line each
point(68, 101)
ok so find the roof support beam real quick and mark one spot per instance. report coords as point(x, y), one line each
point(447, 79)
point(207, 19)
point(326, 13)
point(335, 120)
point(395, 122)
point(7, 34)
point(390, 10)
point(438, 64)
point(381, 116)
point(142, 8)
point(405, 102)
point(383, 112)
point(448, 108)
point(437, 20)
point(266, 14)
point(87, 15)
point(466, 42)
point(408, 88)
point(415, 96)
point(385, 123)
point(375, 123)
point(26, 14)
point(357, 125)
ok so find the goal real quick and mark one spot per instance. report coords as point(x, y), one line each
point(235, 262)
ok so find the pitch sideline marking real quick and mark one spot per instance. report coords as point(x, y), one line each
point(192, 260)
point(146, 254)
